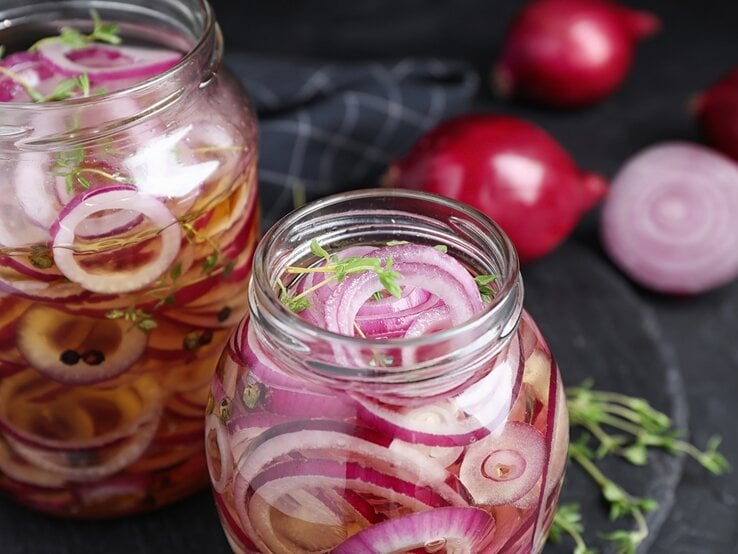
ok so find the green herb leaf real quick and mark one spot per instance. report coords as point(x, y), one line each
point(396, 242)
point(176, 271)
point(441, 248)
point(319, 251)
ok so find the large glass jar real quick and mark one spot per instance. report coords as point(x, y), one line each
point(128, 222)
point(452, 441)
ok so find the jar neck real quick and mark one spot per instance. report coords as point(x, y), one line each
point(185, 25)
point(375, 217)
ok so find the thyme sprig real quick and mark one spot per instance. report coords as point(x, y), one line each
point(69, 164)
point(213, 261)
point(627, 427)
point(102, 31)
point(337, 269)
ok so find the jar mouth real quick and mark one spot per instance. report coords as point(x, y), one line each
point(201, 36)
point(287, 242)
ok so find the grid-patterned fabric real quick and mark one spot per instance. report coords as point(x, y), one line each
point(332, 127)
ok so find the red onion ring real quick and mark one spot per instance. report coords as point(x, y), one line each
point(463, 530)
point(219, 457)
point(103, 62)
point(114, 198)
point(502, 468)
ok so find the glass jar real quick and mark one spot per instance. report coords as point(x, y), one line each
point(128, 222)
point(453, 441)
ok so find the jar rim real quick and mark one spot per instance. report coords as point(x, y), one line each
point(503, 311)
point(202, 36)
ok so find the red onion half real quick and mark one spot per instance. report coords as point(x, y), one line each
point(670, 219)
point(507, 168)
point(570, 53)
point(716, 110)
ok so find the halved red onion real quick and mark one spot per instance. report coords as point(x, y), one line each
point(218, 450)
point(76, 349)
point(669, 219)
point(459, 530)
point(114, 198)
point(102, 62)
point(502, 468)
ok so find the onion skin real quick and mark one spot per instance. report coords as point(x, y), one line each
point(569, 53)
point(716, 111)
point(508, 168)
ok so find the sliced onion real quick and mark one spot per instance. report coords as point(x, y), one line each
point(102, 62)
point(83, 466)
point(21, 471)
point(157, 170)
point(349, 296)
point(114, 198)
point(76, 349)
point(503, 468)
point(218, 450)
point(459, 530)
point(480, 409)
point(31, 67)
point(342, 440)
point(15, 228)
point(281, 481)
point(669, 220)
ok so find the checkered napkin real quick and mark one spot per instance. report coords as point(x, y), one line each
point(331, 127)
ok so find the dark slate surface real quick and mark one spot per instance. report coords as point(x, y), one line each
point(681, 354)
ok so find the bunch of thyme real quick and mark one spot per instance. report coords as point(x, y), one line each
point(628, 427)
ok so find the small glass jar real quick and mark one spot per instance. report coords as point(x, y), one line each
point(453, 441)
point(128, 221)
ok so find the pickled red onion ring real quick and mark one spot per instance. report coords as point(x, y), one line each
point(219, 451)
point(118, 197)
point(502, 468)
point(348, 297)
point(107, 63)
point(464, 530)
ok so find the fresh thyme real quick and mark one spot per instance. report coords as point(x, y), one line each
point(637, 428)
point(485, 291)
point(101, 32)
point(337, 269)
point(69, 165)
point(215, 259)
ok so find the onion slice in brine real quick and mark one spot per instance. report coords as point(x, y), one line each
point(119, 197)
point(452, 529)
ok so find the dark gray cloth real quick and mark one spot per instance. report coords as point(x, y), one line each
point(331, 127)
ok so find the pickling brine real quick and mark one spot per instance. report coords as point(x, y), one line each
point(128, 222)
point(387, 392)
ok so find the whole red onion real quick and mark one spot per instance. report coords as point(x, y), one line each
point(716, 110)
point(508, 168)
point(569, 53)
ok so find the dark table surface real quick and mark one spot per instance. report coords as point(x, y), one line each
point(682, 354)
